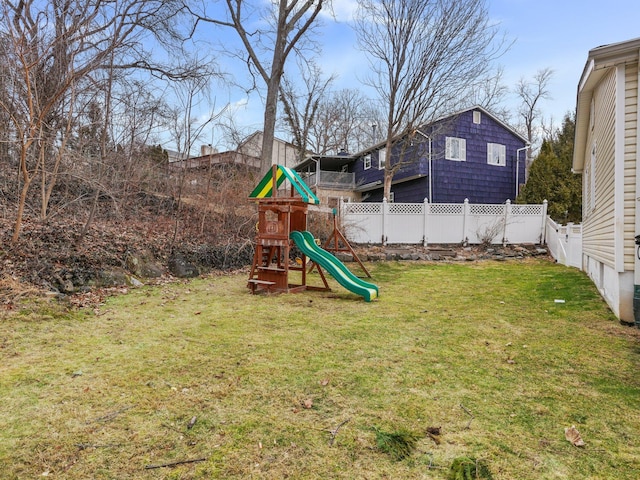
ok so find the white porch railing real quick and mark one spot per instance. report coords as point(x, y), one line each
point(427, 223)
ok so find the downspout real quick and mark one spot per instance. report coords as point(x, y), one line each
point(518, 169)
point(636, 262)
point(429, 158)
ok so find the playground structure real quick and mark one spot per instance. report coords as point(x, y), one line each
point(282, 223)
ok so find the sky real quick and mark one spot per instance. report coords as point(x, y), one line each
point(555, 34)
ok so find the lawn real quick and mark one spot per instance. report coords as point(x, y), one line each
point(203, 380)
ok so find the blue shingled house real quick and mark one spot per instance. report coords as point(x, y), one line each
point(470, 154)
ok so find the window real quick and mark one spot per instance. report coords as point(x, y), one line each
point(456, 149)
point(477, 117)
point(496, 154)
point(367, 162)
point(392, 197)
point(382, 159)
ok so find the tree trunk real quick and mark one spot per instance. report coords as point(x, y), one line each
point(270, 111)
point(17, 226)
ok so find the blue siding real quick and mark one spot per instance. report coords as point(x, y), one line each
point(454, 181)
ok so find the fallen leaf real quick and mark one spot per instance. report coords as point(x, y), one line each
point(192, 422)
point(573, 435)
point(308, 403)
point(324, 382)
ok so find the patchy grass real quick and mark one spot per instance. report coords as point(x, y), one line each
point(471, 360)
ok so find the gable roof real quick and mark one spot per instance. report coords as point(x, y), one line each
point(264, 189)
point(447, 117)
point(599, 62)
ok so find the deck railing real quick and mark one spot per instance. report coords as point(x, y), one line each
point(328, 179)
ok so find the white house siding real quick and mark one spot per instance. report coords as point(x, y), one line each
point(598, 239)
point(609, 115)
point(630, 163)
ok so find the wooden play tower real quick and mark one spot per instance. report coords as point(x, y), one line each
point(278, 216)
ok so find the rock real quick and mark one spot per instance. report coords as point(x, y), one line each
point(344, 256)
point(181, 268)
point(112, 278)
point(142, 265)
point(134, 282)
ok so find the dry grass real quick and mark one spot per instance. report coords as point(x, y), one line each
point(296, 386)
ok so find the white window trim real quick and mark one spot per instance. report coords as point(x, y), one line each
point(392, 197)
point(496, 154)
point(382, 159)
point(461, 149)
point(366, 161)
point(477, 117)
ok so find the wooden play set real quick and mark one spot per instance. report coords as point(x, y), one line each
point(282, 223)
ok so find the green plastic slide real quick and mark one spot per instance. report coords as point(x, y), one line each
point(338, 270)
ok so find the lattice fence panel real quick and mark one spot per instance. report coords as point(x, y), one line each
point(406, 208)
point(526, 209)
point(446, 208)
point(486, 209)
point(363, 208)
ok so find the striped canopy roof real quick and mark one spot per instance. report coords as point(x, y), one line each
point(265, 187)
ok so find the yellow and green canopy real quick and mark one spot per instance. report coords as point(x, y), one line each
point(265, 187)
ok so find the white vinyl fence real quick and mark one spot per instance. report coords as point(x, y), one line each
point(565, 243)
point(427, 223)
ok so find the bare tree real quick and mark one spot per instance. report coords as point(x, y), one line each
point(187, 131)
point(345, 120)
point(350, 121)
point(268, 49)
point(300, 110)
point(531, 93)
point(56, 52)
point(424, 56)
point(489, 92)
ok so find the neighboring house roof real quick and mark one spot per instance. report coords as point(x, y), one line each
point(381, 144)
point(599, 62)
point(337, 161)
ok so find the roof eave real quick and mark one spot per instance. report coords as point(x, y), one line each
point(600, 61)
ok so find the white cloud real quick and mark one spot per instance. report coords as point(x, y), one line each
point(342, 11)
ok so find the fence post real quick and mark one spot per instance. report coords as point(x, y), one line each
point(507, 204)
point(384, 222)
point(425, 220)
point(544, 221)
point(465, 213)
